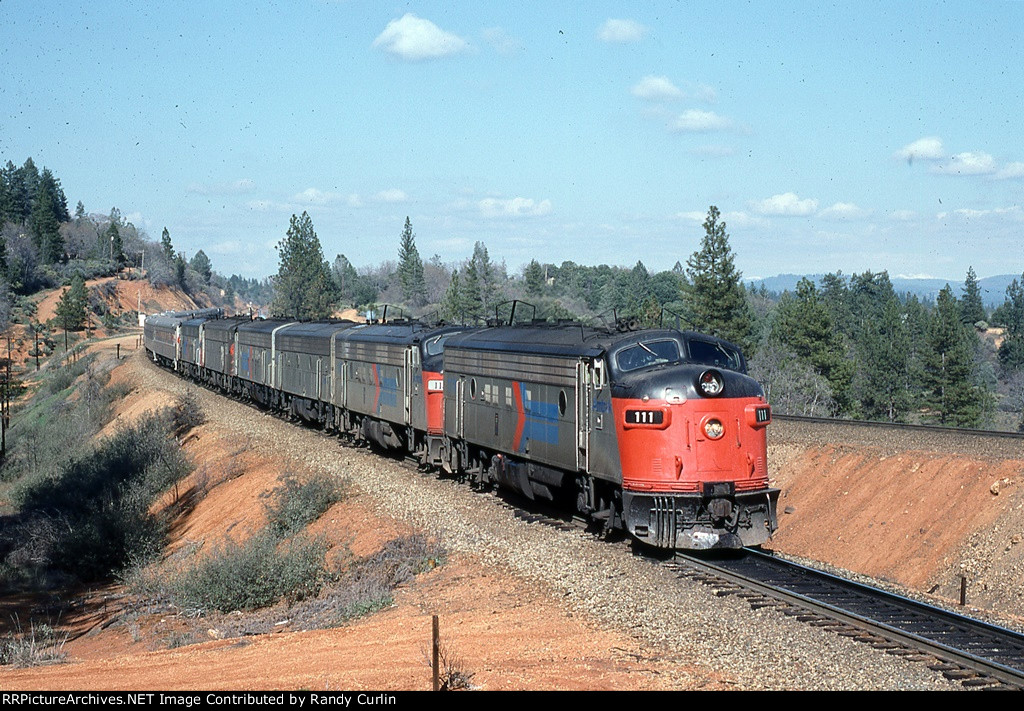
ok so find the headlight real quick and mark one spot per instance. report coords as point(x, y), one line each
point(714, 429)
point(710, 383)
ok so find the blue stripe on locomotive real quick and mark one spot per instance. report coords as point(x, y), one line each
point(540, 422)
point(389, 392)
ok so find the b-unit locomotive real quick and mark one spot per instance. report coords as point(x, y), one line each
point(659, 432)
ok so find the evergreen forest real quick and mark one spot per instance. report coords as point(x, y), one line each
point(843, 345)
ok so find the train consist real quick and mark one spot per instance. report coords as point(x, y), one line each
point(658, 432)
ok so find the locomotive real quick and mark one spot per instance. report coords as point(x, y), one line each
point(659, 432)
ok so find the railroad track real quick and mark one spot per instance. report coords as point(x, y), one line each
point(900, 426)
point(976, 653)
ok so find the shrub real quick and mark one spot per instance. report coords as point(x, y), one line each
point(368, 584)
point(297, 503)
point(40, 645)
point(187, 412)
point(254, 574)
point(102, 500)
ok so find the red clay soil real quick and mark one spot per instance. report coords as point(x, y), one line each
point(898, 518)
point(128, 295)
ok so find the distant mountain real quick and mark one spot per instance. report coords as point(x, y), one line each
point(993, 289)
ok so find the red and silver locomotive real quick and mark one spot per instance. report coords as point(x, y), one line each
point(658, 432)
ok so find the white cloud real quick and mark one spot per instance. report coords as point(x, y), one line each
point(915, 276)
point(1010, 170)
point(415, 39)
point(621, 31)
point(928, 148)
point(903, 215)
point(786, 204)
point(694, 216)
point(968, 164)
point(697, 121)
point(844, 211)
point(735, 219)
point(654, 88)
point(1014, 213)
point(391, 195)
point(314, 196)
point(514, 207)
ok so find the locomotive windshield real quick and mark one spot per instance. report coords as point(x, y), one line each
point(716, 354)
point(647, 353)
point(435, 346)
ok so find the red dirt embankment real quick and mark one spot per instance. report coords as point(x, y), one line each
point(919, 513)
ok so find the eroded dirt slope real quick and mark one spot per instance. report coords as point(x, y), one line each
point(920, 510)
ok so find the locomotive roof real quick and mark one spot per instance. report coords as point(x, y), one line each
point(562, 339)
point(317, 329)
point(264, 326)
point(400, 333)
point(163, 320)
point(551, 339)
point(226, 324)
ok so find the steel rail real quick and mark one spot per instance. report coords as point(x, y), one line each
point(951, 654)
point(938, 429)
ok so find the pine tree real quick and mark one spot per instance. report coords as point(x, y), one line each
point(470, 293)
point(533, 275)
point(453, 306)
point(179, 265)
point(918, 323)
point(200, 264)
point(972, 309)
point(484, 286)
point(410, 268)
point(165, 243)
point(22, 187)
point(71, 309)
point(713, 293)
point(805, 327)
point(113, 235)
point(1011, 351)
point(952, 394)
point(835, 294)
point(883, 353)
point(46, 229)
point(303, 288)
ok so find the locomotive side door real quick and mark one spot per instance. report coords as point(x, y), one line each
point(460, 406)
point(584, 406)
point(410, 353)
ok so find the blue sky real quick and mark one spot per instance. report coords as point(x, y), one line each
point(849, 135)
